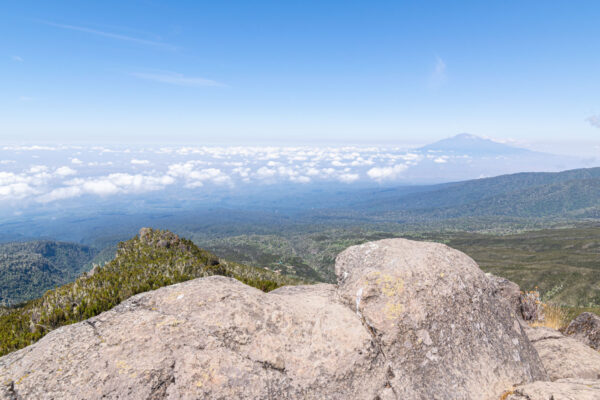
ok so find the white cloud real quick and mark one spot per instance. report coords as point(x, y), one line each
point(441, 160)
point(17, 58)
point(65, 171)
point(146, 169)
point(264, 173)
point(386, 173)
point(348, 178)
point(173, 78)
point(438, 76)
point(108, 185)
point(110, 35)
point(29, 148)
point(594, 120)
point(196, 177)
point(15, 191)
point(300, 179)
point(36, 169)
point(60, 194)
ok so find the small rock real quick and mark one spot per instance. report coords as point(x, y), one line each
point(586, 329)
point(532, 308)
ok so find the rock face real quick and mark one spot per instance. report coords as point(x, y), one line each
point(586, 329)
point(527, 306)
point(433, 313)
point(508, 292)
point(407, 320)
point(564, 357)
point(567, 389)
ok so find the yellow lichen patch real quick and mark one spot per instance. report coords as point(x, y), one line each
point(209, 377)
point(122, 366)
point(169, 322)
point(393, 310)
point(390, 285)
point(174, 296)
point(21, 379)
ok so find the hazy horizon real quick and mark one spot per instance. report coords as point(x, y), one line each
point(293, 73)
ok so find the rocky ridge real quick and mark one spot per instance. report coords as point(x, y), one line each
point(407, 320)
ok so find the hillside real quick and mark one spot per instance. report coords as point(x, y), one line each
point(28, 269)
point(575, 190)
point(151, 260)
point(561, 263)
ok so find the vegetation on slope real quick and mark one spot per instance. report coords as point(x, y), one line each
point(564, 264)
point(151, 260)
point(28, 269)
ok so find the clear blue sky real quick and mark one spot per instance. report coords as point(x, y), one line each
point(282, 71)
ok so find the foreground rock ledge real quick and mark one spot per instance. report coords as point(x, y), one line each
point(407, 320)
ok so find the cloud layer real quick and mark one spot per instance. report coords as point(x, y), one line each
point(45, 174)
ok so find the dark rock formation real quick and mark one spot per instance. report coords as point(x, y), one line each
point(586, 329)
point(527, 306)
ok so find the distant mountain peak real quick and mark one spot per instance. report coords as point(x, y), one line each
point(468, 144)
point(467, 136)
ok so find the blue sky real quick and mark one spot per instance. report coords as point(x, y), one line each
point(300, 72)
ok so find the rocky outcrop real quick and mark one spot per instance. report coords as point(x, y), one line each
point(407, 320)
point(586, 329)
point(564, 357)
point(567, 389)
point(435, 317)
point(527, 306)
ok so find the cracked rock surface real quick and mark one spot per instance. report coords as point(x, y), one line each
point(407, 320)
point(562, 389)
point(586, 329)
point(564, 357)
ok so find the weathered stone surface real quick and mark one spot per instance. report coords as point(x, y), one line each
point(507, 292)
point(435, 317)
point(586, 329)
point(525, 305)
point(207, 338)
point(408, 320)
point(532, 308)
point(562, 389)
point(564, 357)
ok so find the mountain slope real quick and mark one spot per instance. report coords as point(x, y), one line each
point(526, 195)
point(465, 143)
point(151, 260)
point(28, 269)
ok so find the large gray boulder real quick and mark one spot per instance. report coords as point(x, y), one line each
point(562, 389)
point(435, 317)
point(564, 357)
point(586, 329)
point(408, 320)
point(212, 338)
